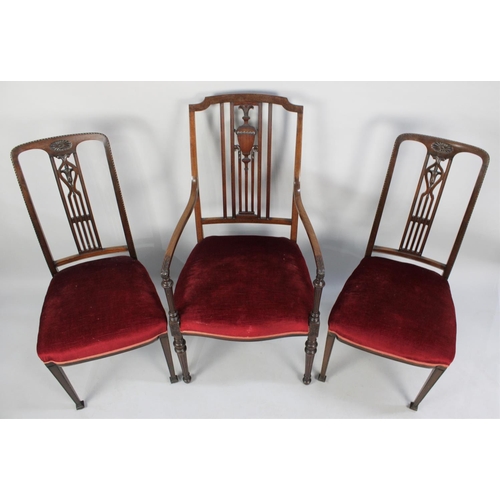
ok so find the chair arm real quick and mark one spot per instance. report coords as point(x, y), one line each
point(165, 268)
point(318, 257)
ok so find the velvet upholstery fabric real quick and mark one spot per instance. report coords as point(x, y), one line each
point(398, 310)
point(244, 288)
point(99, 308)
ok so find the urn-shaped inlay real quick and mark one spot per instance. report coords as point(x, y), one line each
point(246, 134)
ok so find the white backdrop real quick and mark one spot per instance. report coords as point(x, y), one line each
point(349, 130)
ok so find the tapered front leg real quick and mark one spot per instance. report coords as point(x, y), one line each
point(330, 339)
point(59, 374)
point(432, 379)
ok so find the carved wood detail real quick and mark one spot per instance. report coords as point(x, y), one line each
point(74, 196)
point(247, 149)
point(427, 197)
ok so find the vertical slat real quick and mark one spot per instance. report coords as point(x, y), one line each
point(233, 185)
point(269, 159)
point(252, 184)
point(240, 189)
point(223, 159)
point(259, 164)
point(246, 185)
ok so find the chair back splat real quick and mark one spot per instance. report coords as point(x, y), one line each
point(245, 164)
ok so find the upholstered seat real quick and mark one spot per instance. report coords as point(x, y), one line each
point(78, 320)
point(399, 310)
point(245, 287)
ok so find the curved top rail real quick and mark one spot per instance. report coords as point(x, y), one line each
point(59, 144)
point(432, 144)
point(246, 98)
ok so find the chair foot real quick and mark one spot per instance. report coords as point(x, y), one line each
point(187, 378)
point(174, 379)
point(330, 339)
point(60, 376)
point(432, 379)
point(306, 380)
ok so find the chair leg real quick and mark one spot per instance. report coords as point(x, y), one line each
point(59, 374)
point(432, 379)
point(311, 346)
point(179, 346)
point(180, 349)
point(311, 342)
point(330, 339)
point(168, 356)
point(173, 321)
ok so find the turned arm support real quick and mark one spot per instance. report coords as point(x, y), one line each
point(319, 282)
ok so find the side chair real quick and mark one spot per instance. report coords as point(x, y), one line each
point(397, 303)
point(101, 300)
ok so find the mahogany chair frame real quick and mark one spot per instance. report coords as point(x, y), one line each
point(249, 210)
point(62, 152)
point(436, 167)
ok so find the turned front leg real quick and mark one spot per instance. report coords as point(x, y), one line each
point(311, 342)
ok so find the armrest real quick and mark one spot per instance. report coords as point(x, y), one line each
point(318, 257)
point(165, 268)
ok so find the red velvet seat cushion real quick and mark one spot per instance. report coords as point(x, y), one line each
point(244, 287)
point(397, 309)
point(98, 308)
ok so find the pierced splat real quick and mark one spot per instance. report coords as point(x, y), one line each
point(74, 196)
point(425, 204)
